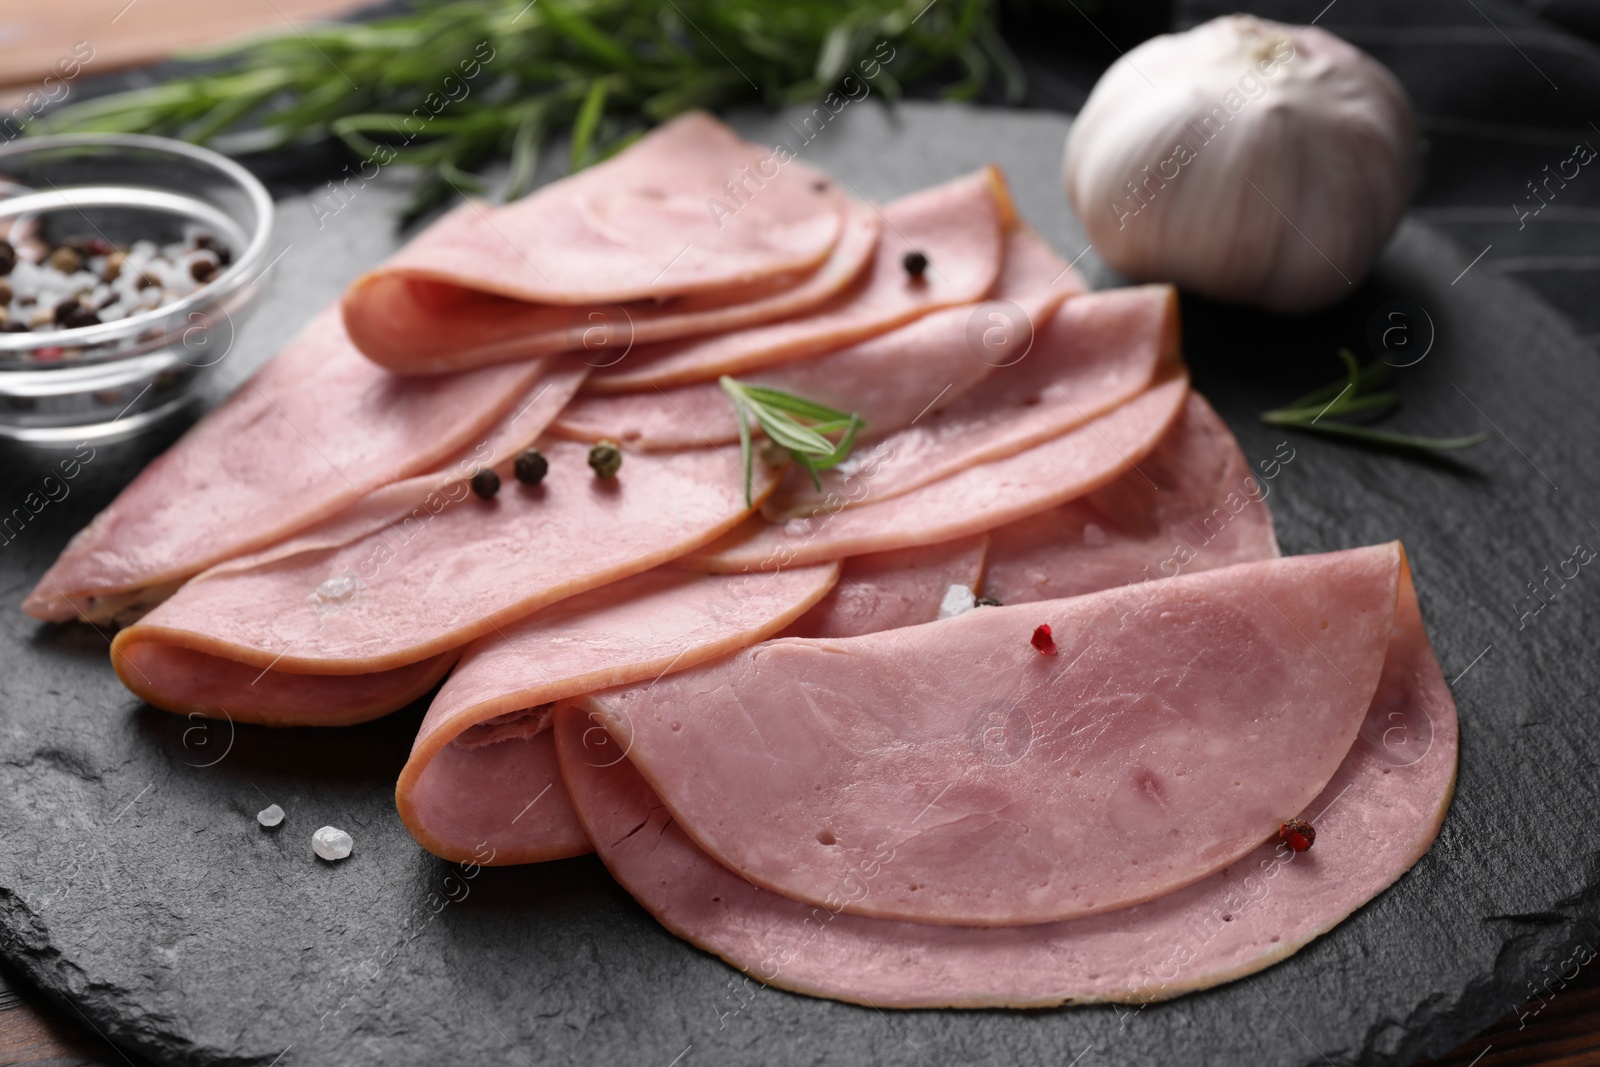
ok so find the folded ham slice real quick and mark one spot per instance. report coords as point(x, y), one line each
point(1192, 504)
point(1374, 820)
point(888, 380)
point(1168, 738)
point(310, 433)
point(689, 230)
point(399, 595)
point(1095, 352)
point(959, 226)
point(972, 501)
point(194, 683)
point(888, 590)
point(482, 771)
point(420, 327)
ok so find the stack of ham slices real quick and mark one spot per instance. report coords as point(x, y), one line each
point(1007, 709)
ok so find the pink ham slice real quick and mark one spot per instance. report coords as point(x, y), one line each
point(194, 683)
point(1164, 742)
point(959, 226)
point(310, 433)
point(483, 753)
point(1096, 352)
point(1374, 819)
point(888, 380)
point(422, 327)
point(187, 681)
point(400, 595)
point(972, 501)
point(410, 504)
point(889, 590)
point(641, 227)
point(1191, 505)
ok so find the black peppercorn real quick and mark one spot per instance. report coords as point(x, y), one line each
point(530, 466)
point(986, 602)
point(916, 264)
point(8, 257)
point(486, 483)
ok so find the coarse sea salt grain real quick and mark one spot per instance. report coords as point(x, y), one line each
point(332, 843)
point(270, 816)
point(958, 600)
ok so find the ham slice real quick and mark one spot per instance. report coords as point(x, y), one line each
point(310, 433)
point(959, 226)
point(1096, 352)
point(399, 595)
point(408, 505)
point(1374, 820)
point(1167, 740)
point(1191, 505)
point(484, 753)
point(972, 501)
point(421, 327)
point(194, 683)
point(889, 380)
point(889, 590)
point(690, 214)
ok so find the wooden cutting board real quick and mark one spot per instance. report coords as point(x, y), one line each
point(134, 879)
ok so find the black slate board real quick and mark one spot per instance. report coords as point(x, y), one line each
point(135, 883)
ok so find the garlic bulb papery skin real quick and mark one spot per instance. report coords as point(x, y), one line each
point(1260, 163)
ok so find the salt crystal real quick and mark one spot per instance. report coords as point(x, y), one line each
point(958, 600)
point(339, 587)
point(270, 816)
point(331, 843)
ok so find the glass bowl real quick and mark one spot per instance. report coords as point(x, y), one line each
point(62, 386)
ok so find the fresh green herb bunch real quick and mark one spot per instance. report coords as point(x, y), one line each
point(532, 71)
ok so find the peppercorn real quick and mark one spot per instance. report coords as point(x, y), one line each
point(530, 466)
point(606, 459)
point(1043, 641)
point(486, 483)
point(986, 602)
point(72, 315)
point(65, 260)
point(1298, 834)
point(16, 327)
point(916, 264)
point(203, 270)
point(8, 257)
point(211, 244)
point(5, 293)
point(113, 267)
point(148, 281)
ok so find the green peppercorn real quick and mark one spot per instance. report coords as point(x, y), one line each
point(606, 459)
point(530, 466)
point(486, 483)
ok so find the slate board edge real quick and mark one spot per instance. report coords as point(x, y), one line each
point(120, 1017)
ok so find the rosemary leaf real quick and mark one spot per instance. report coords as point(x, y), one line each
point(778, 415)
point(1317, 411)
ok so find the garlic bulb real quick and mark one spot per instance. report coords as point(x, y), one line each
point(1245, 160)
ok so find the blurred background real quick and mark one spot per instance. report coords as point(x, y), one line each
point(1504, 89)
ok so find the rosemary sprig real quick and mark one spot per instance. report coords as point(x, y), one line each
point(779, 415)
point(452, 85)
point(1352, 396)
